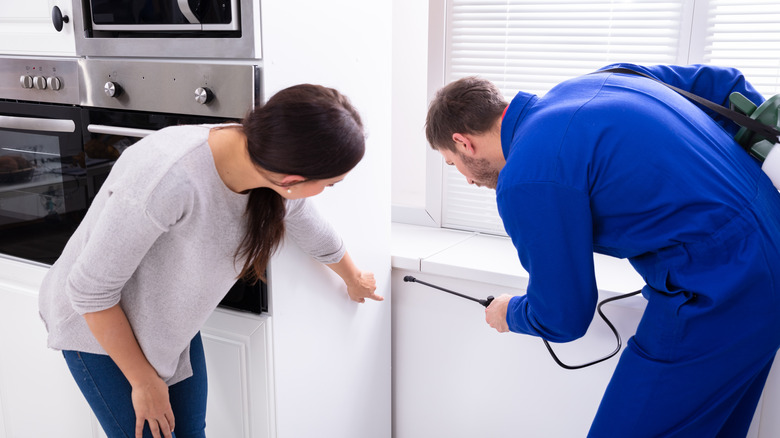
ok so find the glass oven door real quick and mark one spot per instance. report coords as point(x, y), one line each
point(43, 179)
point(107, 133)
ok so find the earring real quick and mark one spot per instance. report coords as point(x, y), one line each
point(289, 190)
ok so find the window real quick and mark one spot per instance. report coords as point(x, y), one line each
point(533, 45)
point(746, 35)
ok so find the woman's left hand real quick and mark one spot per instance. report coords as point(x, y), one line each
point(360, 284)
point(363, 286)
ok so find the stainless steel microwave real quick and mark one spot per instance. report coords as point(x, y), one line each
point(168, 28)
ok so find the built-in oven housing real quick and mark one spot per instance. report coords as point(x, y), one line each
point(60, 134)
point(168, 28)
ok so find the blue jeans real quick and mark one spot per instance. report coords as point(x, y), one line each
point(109, 394)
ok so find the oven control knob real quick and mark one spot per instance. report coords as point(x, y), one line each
point(203, 95)
point(112, 89)
point(39, 82)
point(26, 81)
point(54, 83)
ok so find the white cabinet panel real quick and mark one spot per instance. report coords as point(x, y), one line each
point(770, 421)
point(227, 407)
point(331, 355)
point(26, 28)
point(38, 397)
point(454, 370)
point(454, 376)
point(2, 423)
point(240, 401)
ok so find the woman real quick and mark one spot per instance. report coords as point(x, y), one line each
point(183, 214)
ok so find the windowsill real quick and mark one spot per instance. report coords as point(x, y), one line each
point(487, 259)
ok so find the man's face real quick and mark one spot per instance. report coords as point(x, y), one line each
point(478, 171)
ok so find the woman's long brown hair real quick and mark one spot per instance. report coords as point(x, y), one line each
point(306, 130)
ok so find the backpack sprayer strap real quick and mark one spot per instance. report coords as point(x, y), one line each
point(764, 131)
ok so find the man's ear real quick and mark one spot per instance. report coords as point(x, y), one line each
point(463, 143)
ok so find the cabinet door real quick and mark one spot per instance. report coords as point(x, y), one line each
point(26, 28)
point(38, 397)
point(770, 422)
point(240, 401)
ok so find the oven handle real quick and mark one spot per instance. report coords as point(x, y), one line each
point(118, 130)
point(184, 8)
point(37, 124)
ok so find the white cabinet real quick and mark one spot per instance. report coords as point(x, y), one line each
point(331, 355)
point(26, 28)
point(39, 398)
point(455, 377)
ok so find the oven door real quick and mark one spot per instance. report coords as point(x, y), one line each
point(43, 179)
point(108, 133)
point(164, 15)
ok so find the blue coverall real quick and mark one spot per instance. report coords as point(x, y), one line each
point(623, 166)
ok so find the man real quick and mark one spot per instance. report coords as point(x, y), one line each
point(621, 165)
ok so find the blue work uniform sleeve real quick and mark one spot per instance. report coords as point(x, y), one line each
point(550, 225)
point(711, 82)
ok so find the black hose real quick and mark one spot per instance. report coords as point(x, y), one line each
point(486, 302)
point(612, 327)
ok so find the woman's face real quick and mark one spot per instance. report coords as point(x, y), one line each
point(308, 188)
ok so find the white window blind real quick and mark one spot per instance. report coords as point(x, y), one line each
point(746, 34)
point(532, 46)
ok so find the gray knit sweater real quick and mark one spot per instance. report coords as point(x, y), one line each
point(160, 239)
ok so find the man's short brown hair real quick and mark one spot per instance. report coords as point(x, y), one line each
point(470, 105)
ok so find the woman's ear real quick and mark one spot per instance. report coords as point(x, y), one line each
point(290, 180)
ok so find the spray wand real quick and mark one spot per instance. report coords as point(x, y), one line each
point(486, 302)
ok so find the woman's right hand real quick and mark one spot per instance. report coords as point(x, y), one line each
point(152, 403)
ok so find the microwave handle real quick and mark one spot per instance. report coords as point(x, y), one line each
point(118, 130)
point(37, 124)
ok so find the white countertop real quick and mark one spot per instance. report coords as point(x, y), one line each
point(486, 258)
point(438, 251)
point(21, 275)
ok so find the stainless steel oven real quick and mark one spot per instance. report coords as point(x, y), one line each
point(168, 28)
point(64, 122)
point(43, 190)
